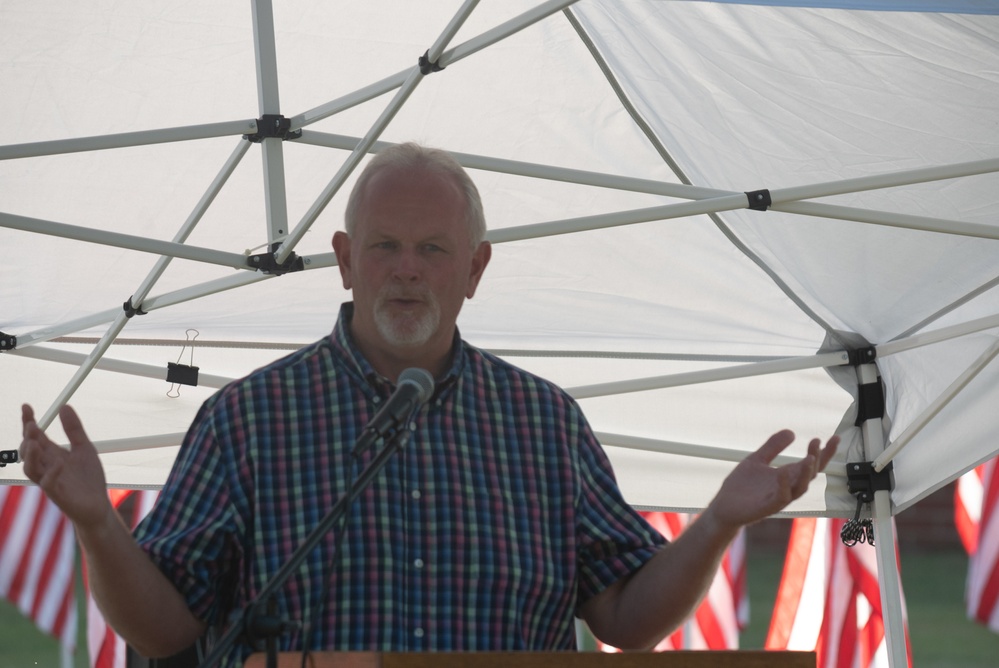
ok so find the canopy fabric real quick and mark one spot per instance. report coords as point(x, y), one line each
point(689, 326)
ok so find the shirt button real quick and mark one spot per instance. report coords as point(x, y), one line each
point(418, 632)
point(418, 563)
point(416, 494)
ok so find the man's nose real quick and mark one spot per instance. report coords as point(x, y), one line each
point(408, 265)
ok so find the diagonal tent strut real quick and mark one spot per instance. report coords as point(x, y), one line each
point(122, 317)
point(412, 80)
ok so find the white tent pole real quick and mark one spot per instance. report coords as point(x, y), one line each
point(149, 305)
point(889, 180)
point(618, 218)
point(86, 366)
point(534, 170)
point(120, 240)
point(265, 55)
point(139, 443)
point(126, 139)
point(268, 103)
point(938, 335)
point(192, 220)
point(394, 81)
point(340, 104)
point(935, 407)
point(397, 102)
point(683, 191)
point(781, 198)
point(435, 52)
point(710, 452)
point(889, 219)
point(504, 30)
point(710, 375)
point(114, 365)
point(348, 166)
point(884, 528)
point(166, 299)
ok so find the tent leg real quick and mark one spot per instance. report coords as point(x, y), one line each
point(889, 577)
point(888, 574)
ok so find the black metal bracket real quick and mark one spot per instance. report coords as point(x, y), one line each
point(268, 264)
point(860, 356)
point(7, 341)
point(427, 67)
point(759, 200)
point(132, 311)
point(8, 457)
point(273, 126)
point(863, 481)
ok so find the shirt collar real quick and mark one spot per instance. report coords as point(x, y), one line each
point(343, 343)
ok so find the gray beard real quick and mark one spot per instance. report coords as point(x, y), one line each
point(406, 331)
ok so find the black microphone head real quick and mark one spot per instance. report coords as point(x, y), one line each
point(420, 378)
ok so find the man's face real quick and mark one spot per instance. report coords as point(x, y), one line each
point(410, 263)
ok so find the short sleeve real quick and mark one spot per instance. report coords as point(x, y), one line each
point(192, 533)
point(614, 539)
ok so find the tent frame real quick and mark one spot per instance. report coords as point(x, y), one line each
point(282, 240)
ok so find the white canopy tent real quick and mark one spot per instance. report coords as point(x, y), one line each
point(621, 148)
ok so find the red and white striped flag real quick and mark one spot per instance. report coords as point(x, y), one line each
point(37, 561)
point(976, 514)
point(716, 623)
point(107, 649)
point(829, 599)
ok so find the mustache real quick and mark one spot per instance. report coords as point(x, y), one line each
point(403, 292)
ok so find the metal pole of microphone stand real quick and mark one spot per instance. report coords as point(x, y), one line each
point(393, 443)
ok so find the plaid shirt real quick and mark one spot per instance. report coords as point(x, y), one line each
point(486, 532)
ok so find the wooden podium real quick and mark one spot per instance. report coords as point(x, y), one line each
point(676, 659)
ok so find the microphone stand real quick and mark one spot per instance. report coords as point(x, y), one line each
point(258, 620)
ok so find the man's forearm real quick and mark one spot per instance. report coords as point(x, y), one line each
point(638, 612)
point(137, 600)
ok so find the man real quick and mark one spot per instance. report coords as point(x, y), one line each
point(496, 524)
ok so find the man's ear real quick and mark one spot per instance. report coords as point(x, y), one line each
point(480, 258)
point(341, 248)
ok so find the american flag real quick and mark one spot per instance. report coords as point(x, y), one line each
point(107, 649)
point(716, 623)
point(976, 515)
point(37, 561)
point(829, 599)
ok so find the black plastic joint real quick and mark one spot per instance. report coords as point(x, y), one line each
point(870, 402)
point(862, 355)
point(427, 67)
point(7, 342)
point(131, 311)
point(273, 126)
point(863, 481)
point(759, 200)
point(181, 374)
point(268, 264)
point(9, 457)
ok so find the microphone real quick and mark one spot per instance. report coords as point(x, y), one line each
point(414, 389)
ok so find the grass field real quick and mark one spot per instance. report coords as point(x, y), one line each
point(933, 582)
